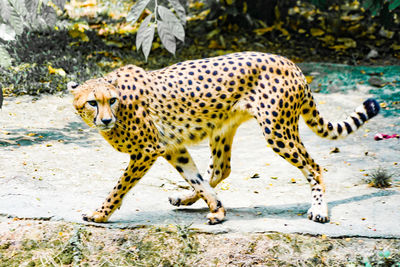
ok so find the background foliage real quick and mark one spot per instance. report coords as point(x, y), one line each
point(43, 45)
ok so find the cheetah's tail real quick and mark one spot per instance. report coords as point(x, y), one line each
point(330, 130)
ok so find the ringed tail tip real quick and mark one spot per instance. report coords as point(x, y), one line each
point(371, 107)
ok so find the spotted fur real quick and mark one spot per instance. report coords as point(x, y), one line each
point(148, 114)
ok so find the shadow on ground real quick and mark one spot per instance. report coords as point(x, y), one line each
point(295, 211)
point(72, 133)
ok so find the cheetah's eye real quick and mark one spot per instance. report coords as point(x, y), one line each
point(113, 100)
point(93, 103)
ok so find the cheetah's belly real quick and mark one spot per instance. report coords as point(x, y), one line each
point(192, 131)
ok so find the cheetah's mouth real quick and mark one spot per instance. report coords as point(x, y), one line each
point(105, 128)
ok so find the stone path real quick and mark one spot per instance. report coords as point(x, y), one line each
point(53, 167)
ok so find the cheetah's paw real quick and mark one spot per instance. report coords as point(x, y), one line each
point(183, 199)
point(318, 214)
point(96, 216)
point(175, 200)
point(216, 217)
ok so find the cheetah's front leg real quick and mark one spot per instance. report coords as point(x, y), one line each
point(184, 164)
point(137, 167)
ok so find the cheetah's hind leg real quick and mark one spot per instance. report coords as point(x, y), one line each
point(219, 166)
point(183, 163)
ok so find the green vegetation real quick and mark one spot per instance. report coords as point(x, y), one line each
point(76, 245)
point(380, 178)
point(91, 38)
point(37, 243)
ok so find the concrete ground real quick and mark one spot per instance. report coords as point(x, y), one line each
point(53, 167)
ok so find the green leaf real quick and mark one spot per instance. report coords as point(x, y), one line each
point(19, 6)
point(1, 97)
point(151, 6)
point(167, 15)
point(173, 23)
point(17, 13)
point(394, 4)
point(5, 59)
point(5, 10)
point(137, 10)
point(6, 32)
point(49, 15)
point(31, 6)
point(179, 10)
point(167, 38)
point(178, 31)
point(145, 35)
point(60, 3)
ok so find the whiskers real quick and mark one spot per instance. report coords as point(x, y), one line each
point(87, 118)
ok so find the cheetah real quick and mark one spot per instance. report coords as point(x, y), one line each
point(149, 114)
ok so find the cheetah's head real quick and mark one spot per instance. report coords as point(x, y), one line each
point(96, 101)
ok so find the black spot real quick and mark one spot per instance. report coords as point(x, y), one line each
point(179, 169)
point(280, 144)
point(314, 113)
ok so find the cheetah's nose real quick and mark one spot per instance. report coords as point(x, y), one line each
point(106, 121)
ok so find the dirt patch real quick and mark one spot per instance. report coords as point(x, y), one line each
point(31, 243)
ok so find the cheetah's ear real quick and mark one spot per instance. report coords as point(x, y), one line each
point(72, 86)
point(112, 79)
